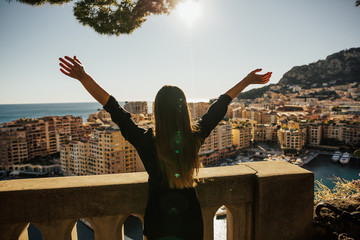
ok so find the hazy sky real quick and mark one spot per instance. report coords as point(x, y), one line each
point(229, 39)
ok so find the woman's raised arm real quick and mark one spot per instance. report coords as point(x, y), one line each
point(72, 67)
point(251, 78)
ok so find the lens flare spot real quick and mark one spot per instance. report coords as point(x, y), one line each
point(189, 11)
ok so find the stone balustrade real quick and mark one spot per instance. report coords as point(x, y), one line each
point(264, 200)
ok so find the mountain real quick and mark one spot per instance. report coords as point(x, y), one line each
point(337, 69)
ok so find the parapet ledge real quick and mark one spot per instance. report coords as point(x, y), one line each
point(73, 182)
point(228, 171)
point(278, 168)
point(260, 169)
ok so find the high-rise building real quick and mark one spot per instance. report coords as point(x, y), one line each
point(334, 131)
point(291, 140)
point(36, 137)
point(314, 132)
point(238, 112)
point(13, 145)
point(352, 134)
point(106, 152)
point(139, 107)
point(101, 114)
point(265, 133)
point(270, 117)
point(242, 136)
point(198, 109)
point(218, 145)
point(256, 114)
point(343, 132)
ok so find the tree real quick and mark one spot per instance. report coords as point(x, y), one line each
point(112, 17)
point(115, 17)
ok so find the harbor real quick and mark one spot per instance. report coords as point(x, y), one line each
point(272, 152)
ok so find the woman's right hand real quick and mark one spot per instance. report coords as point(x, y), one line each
point(72, 67)
point(253, 78)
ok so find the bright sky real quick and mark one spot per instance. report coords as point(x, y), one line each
point(228, 39)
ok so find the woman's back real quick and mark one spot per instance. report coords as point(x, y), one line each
point(169, 155)
point(170, 211)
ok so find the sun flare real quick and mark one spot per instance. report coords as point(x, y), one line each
point(189, 11)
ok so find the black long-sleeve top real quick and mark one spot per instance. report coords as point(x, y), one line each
point(143, 139)
point(169, 212)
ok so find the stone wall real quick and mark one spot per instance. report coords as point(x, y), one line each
point(265, 201)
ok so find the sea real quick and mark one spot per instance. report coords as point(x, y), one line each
point(322, 166)
point(10, 112)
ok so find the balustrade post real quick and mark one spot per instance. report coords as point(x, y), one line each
point(57, 229)
point(208, 214)
point(13, 231)
point(108, 227)
point(239, 225)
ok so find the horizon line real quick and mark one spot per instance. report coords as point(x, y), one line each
point(189, 101)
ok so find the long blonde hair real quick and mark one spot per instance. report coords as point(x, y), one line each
point(176, 144)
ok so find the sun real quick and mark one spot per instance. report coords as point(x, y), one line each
point(189, 11)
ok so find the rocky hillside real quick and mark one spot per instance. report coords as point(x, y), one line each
point(337, 69)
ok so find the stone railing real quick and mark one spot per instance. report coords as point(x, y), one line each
point(265, 200)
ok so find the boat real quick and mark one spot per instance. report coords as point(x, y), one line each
point(345, 158)
point(336, 156)
point(221, 213)
point(298, 161)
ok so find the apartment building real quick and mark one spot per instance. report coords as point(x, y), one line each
point(291, 140)
point(59, 129)
point(334, 131)
point(106, 152)
point(238, 112)
point(13, 145)
point(25, 139)
point(265, 133)
point(218, 144)
point(36, 138)
point(102, 114)
point(344, 132)
point(76, 127)
point(241, 136)
point(232, 107)
point(257, 114)
point(352, 134)
point(270, 117)
point(314, 133)
point(139, 107)
point(198, 109)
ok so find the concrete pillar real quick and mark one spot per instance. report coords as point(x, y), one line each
point(56, 229)
point(13, 231)
point(108, 227)
point(208, 214)
point(239, 221)
point(284, 201)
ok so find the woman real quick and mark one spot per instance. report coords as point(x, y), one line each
point(169, 152)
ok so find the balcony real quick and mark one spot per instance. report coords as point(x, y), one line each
point(265, 200)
